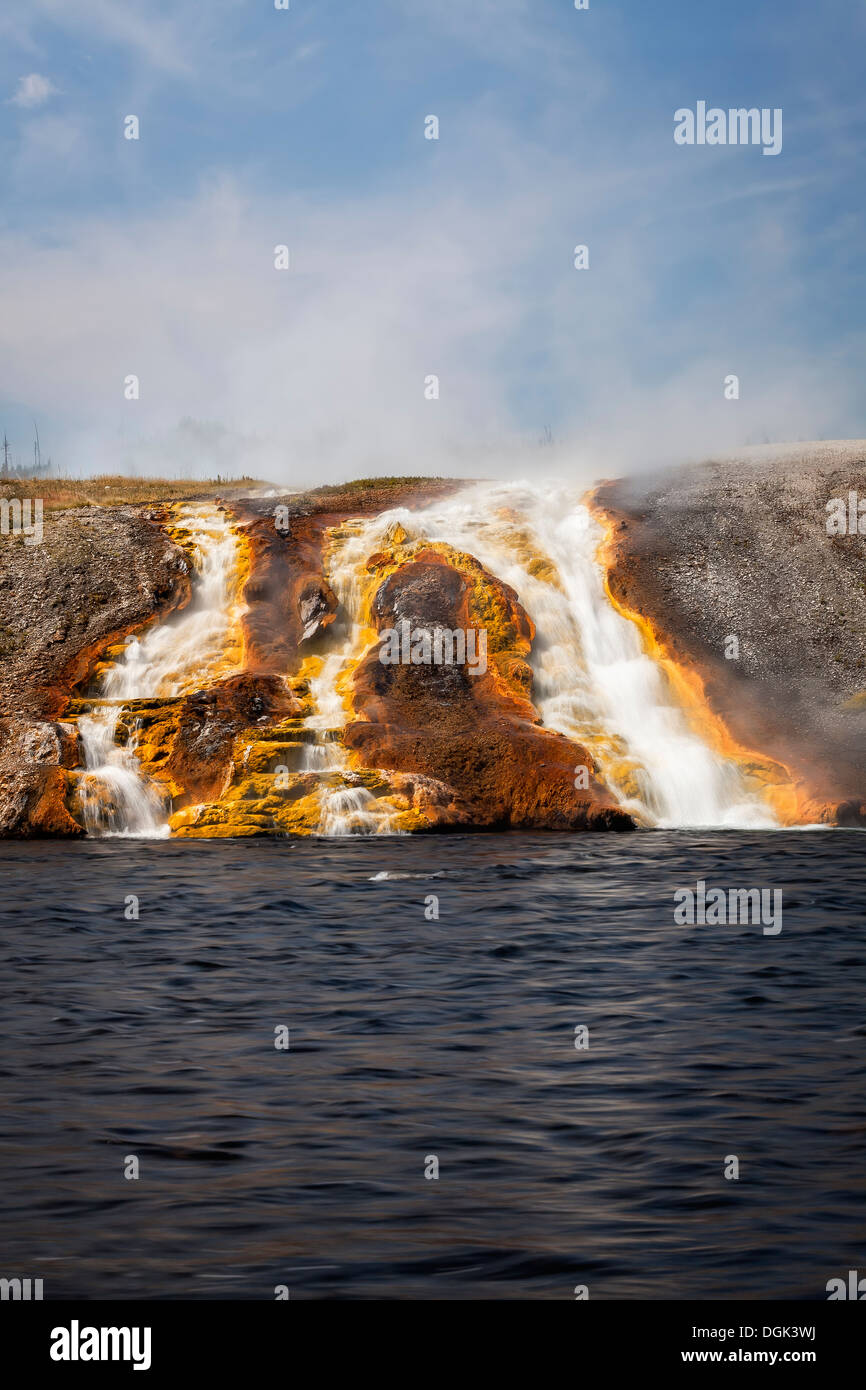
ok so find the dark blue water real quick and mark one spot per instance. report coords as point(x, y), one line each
point(452, 1038)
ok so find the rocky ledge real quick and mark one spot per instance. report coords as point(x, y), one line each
point(731, 564)
point(429, 747)
point(97, 575)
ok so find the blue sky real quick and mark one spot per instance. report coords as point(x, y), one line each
point(411, 257)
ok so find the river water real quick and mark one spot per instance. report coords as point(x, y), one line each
point(413, 1037)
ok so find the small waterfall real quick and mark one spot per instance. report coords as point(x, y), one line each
point(173, 658)
point(346, 809)
point(593, 680)
point(115, 798)
point(194, 646)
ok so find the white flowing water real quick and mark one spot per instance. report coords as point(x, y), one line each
point(185, 652)
point(171, 658)
point(115, 798)
point(345, 809)
point(593, 679)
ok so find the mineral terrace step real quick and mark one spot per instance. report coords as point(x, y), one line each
point(300, 733)
point(154, 703)
point(263, 756)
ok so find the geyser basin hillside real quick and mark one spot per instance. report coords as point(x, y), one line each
point(416, 655)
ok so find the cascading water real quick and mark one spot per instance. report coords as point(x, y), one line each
point(170, 659)
point(345, 809)
point(190, 649)
point(115, 798)
point(593, 680)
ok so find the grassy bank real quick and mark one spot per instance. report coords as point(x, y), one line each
point(112, 490)
point(374, 484)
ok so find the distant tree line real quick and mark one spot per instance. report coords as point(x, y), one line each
point(39, 468)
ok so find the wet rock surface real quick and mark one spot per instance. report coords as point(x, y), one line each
point(739, 548)
point(473, 731)
point(187, 744)
point(289, 600)
point(34, 782)
point(97, 575)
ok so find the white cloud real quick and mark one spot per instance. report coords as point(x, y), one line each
point(317, 373)
point(33, 90)
point(461, 268)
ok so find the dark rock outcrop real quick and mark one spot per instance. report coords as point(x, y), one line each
point(476, 734)
point(186, 744)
